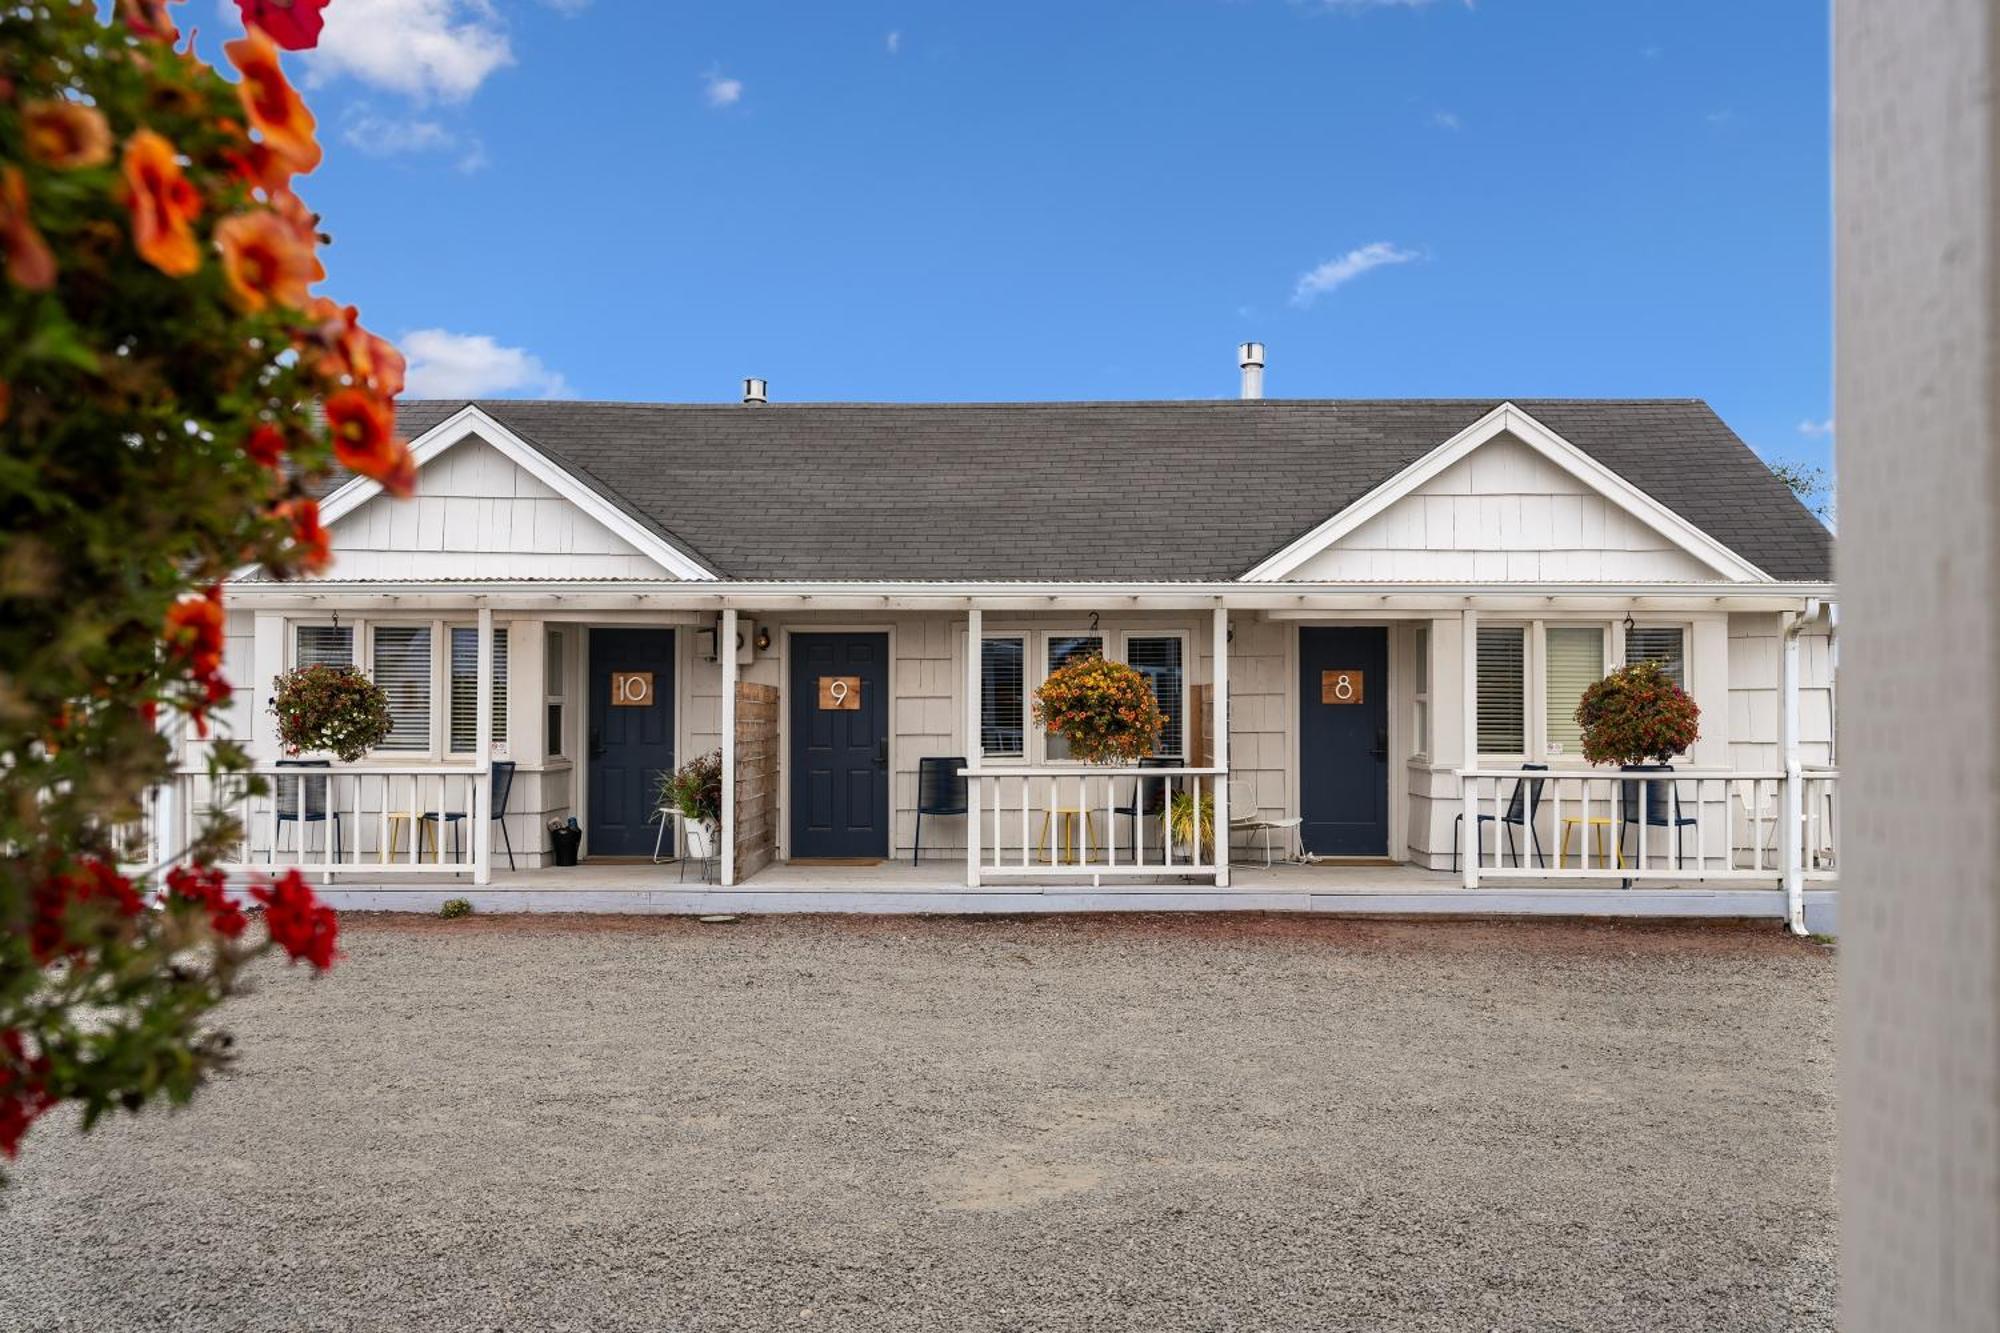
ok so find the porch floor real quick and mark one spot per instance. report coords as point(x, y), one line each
point(938, 886)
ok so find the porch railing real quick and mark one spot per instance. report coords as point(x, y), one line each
point(365, 818)
point(1055, 822)
point(1683, 826)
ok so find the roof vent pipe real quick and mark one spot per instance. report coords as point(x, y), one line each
point(754, 391)
point(1250, 356)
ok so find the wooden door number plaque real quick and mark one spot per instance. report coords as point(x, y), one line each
point(1341, 687)
point(631, 689)
point(840, 694)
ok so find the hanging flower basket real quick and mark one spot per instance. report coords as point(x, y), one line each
point(329, 708)
point(1104, 710)
point(1637, 715)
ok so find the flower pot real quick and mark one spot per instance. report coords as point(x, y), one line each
point(701, 839)
point(565, 842)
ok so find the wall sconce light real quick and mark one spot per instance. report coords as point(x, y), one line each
point(763, 639)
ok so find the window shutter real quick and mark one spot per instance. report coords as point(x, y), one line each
point(325, 645)
point(1158, 659)
point(1502, 693)
point(403, 670)
point(1002, 691)
point(465, 688)
point(1659, 643)
point(1575, 662)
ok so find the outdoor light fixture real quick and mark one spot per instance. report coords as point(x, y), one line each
point(763, 639)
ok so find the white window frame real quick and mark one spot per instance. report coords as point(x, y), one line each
point(976, 745)
point(1420, 693)
point(555, 681)
point(438, 750)
point(500, 743)
point(1535, 683)
point(1529, 694)
point(1125, 637)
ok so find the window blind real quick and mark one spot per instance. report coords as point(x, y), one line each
point(1064, 649)
point(465, 688)
point(553, 674)
point(1574, 662)
point(1158, 659)
point(1659, 643)
point(1502, 683)
point(1002, 694)
point(325, 645)
point(403, 670)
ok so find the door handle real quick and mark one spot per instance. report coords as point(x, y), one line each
point(882, 753)
point(596, 743)
point(1381, 743)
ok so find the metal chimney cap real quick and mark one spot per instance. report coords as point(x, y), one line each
point(1250, 354)
point(756, 391)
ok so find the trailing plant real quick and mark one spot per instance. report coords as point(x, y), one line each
point(331, 708)
point(1637, 715)
point(1104, 710)
point(1181, 817)
point(695, 789)
point(172, 399)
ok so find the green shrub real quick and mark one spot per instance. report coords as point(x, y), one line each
point(455, 907)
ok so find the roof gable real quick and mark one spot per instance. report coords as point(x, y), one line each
point(1507, 499)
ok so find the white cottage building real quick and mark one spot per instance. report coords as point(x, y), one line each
point(1363, 619)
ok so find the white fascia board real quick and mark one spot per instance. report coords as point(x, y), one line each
point(1507, 419)
point(470, 421)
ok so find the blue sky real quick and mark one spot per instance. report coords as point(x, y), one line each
point(865, 200)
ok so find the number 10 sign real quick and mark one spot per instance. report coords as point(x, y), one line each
point(631, 689)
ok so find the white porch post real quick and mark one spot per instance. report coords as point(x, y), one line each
point(482, 767)
point(1791, 817)
point(1219, 703)
point(975, 743)
point(725, 645)
point(1468, 832)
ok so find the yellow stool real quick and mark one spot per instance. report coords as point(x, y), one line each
point(1066, 818)
point(1597, 823)
point(396, 819)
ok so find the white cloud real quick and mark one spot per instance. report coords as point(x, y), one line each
point(384, 136)
point(1816, 429)
point(893, 42)
point(1446, 120)
point(718, 91)
point(426, 48)
point(1334, 272)
point(472, 365)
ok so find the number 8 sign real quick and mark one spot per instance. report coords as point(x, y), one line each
point(1341, 687)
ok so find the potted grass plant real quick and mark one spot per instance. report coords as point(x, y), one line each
point(695, 789)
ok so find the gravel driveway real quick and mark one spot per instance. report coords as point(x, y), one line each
point(1145, 1123)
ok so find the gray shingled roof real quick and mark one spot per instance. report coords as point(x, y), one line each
point(1091, 491)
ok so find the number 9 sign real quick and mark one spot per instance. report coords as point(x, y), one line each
point(1342, 687)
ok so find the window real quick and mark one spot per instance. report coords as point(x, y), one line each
point(1573, 660)
point(403, 670)
point(324, 645)
point(552, 675)
point(1157, 657)
point(1502, 684)
point(1003, 694)
point(1664, 644)
point(465, 687)
point(1064, 649)
point(1422, 680)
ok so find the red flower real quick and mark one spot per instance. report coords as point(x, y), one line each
point(148, 18)
point(292, 24)
point(24, 1092)
point(315, 551)
point(194, 632)
point(89, 886)
point(298, 922)
point(266, 445)
point(204, 886)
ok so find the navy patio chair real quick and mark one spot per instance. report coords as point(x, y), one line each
point(1521, 811)
point(1663, 807)
point(304, 801)
point(1149, 801)
point(940, 792)
point(503, 787)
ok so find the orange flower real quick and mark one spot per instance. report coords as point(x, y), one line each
point(265, 261)
point(66, 135)
point(275, 109)
point(315, 553)
point(30, 263)
point(352, 352)
point(195, 631)
point(163, 205)
point(363, 427)
point(148, 18)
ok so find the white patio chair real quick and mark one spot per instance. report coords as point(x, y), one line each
point(1287, 829)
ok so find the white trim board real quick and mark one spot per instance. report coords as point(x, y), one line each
point(1507, 419)
point(470, 422)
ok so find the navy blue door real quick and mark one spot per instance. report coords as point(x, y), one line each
point(840, 745)
point(1344, 741)
point(631, 736)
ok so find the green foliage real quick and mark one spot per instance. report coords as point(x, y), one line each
point(1812, 485)
point(695, 788)
point(1637, 715)
point(454, 908)
point(1181, 817)
point(331, 708)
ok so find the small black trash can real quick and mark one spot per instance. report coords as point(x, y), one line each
point(567, 842)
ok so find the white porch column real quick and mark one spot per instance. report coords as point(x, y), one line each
point(725, 646)
point(1219, 702)
point(1791, 800)
point(975, 742)
point(482, 764)
point(1468, 832)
